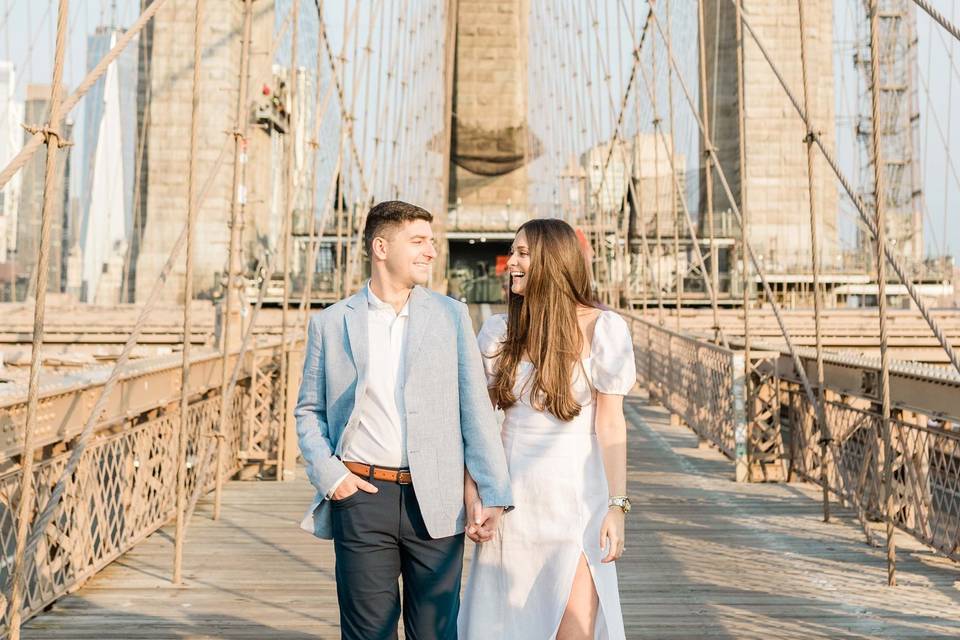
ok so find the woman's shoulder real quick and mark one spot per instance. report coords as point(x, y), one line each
point(613, 363)
point(492, 333)
point(497, 323)
point(601, 323)
point(610, 323)
point(611, 333)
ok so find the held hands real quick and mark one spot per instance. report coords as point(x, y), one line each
point(482, 522)
point(350, 485)
point(612, 535)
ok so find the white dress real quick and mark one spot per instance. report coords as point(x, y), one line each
point(520, 581)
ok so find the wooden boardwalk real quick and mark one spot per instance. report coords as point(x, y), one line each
point(705, 558)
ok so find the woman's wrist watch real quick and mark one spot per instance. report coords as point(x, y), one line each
point(621, 502)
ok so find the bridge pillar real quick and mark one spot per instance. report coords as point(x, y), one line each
point(490, 143)
point(775, 186)
point(740, 426)
point(164, 111)
point(291, 449)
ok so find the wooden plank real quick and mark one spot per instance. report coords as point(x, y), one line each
point(705, 558)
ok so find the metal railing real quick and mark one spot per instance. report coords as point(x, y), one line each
point(925, 443)
point(125, 485)
point(703, 384)
point(693, 378)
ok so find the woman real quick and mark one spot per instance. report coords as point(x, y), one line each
point(559, 367)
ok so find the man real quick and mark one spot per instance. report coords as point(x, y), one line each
point(392, 407)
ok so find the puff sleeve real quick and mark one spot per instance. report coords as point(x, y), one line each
point(613, 368)
point(491, 336)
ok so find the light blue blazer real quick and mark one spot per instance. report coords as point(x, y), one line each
point(450, 421)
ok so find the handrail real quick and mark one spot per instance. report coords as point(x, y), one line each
point(66, 404)
point(924, 422)
point(128, 472)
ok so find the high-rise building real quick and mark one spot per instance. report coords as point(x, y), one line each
point(645, 158)
point(31, 200)
point(11, 140)
point(109, 146)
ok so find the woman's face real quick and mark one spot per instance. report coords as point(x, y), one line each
point(519, 263)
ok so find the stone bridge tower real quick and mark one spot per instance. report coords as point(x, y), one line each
point(164, 108)
point(775, 184)
point(490, 142)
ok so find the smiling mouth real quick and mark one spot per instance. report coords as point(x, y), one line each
point(517, 274)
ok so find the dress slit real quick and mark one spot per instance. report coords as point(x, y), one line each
point(596, 591)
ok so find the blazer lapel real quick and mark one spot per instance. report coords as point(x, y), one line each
point(416, 326)
point(356, 322)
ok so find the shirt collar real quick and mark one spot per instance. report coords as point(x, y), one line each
point(378, 305)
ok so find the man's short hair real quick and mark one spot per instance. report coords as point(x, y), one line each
point(391, 213)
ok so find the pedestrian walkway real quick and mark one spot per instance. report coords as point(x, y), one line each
point(705, 558)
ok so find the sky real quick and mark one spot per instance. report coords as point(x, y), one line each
point(27, 30)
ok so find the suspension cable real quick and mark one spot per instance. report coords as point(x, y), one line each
point(51, 137)
point(861, 208)
point(940, 19)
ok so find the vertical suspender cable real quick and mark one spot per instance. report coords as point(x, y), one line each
point(231, 306)
point(184, 426)
point(658, 253)
point(449, 64)
point(744, 227)
point(815, 258)
point(289, 162)
point(674, 190)
point(687, 218)
point(707, 170)
point(879, 197)
point(51, 188)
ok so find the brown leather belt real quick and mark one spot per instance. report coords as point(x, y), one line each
point(384, 474)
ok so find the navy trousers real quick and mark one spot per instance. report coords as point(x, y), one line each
point(379, 537)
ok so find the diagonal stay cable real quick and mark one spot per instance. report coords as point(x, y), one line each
point(861, 208)
point(801, 371)
point(31, 147)
point(708, 281)
point(688, 219)
point(344, 110)
point(46, 515)
point(624, 101)
point(951, 28)
point(266, 268)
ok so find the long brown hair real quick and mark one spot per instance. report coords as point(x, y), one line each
point(542, 323)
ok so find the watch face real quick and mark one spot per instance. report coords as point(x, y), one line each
point(622, 503)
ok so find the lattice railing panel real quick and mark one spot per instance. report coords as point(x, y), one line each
point(925, 464)
point(692, 378)
point(765, 435)
point(262, 427)
point(123, 490)
point(696, 380)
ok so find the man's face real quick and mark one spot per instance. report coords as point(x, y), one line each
point(408, 252)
